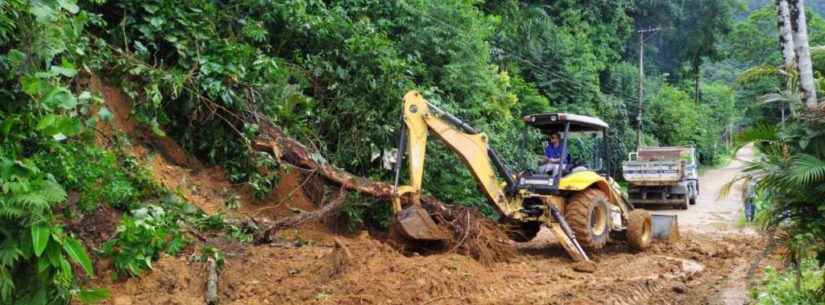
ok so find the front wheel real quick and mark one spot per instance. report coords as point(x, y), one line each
point(639, 229)
point(587, 215)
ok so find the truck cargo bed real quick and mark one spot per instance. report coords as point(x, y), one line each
point(652, 172)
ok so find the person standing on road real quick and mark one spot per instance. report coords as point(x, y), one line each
point(750, 197)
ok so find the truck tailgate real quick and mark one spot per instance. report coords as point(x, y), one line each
point(652, 172)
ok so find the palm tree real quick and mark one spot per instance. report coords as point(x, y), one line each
point(799, 27)
point(785, 33)
point(791, 176)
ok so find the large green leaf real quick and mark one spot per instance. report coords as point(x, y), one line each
point(40, 239)
point(59, 127)
point(60, 97)
point(77, 252)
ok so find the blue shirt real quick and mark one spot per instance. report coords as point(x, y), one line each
point(555, 152)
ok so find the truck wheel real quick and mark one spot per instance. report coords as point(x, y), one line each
point(587, 215)
point(520, 231)
point(684, 204)
point(639, 233)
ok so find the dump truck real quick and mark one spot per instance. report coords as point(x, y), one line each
point(581, 206)
point(662, 176)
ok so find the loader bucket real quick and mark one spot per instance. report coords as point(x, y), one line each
point(665, 227)
point(416, 223)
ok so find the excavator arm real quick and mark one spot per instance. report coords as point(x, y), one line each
point(421, 118)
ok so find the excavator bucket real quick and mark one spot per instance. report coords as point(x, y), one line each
point(665, 227)
point(415, 223)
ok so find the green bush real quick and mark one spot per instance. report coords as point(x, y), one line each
point(141, 238)
point(779, 287)
point(35, 253)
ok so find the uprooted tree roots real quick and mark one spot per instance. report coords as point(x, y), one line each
point(475, 235)
point(472, 234)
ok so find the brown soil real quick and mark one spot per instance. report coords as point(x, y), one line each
point(691, 271)
point(94, 228)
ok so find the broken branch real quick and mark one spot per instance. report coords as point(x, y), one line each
point(294, 221)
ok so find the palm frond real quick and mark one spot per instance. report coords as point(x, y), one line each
point(754, 74)
point(806, 170)
point(728, 186)
point(759, 134)
point(783, 97)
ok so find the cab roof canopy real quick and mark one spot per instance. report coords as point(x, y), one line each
point(554, 121)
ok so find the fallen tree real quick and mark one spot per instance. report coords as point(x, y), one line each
point(274, 141)
point(294, 221)
point(472, 233)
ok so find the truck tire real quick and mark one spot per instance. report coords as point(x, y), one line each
point(695, 193)
point(587, 215)
point(639, 229)
point(684, 204)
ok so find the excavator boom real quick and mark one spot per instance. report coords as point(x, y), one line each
point(420, 119)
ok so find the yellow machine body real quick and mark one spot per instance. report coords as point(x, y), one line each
point(473, 150)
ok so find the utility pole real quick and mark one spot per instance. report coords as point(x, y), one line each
point(642, 33)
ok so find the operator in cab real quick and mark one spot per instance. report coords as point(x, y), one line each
point(552, 158)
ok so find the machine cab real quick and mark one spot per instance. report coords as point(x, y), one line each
point(582, 138)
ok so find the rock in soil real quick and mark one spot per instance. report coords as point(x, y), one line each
point(585, 267)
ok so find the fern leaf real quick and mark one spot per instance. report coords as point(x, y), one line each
point(52, 192)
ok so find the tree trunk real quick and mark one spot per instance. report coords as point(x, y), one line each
point(785, 34)
point(803, 53)
point(697, 96)
point(274, 141)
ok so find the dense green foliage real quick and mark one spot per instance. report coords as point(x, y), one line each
point(790, 171)
point(753, 45)
point(791, 175)
point(43, 121)
point(781, 286)
point(332, 74)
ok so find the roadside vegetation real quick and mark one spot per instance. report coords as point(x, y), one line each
point(785, 126)
point(332, 74)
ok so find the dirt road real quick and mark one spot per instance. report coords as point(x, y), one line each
point(714, 213)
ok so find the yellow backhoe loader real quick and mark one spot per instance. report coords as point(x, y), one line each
point(580, 206)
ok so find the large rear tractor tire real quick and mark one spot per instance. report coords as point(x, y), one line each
point(639, 229)
point(587, 214)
